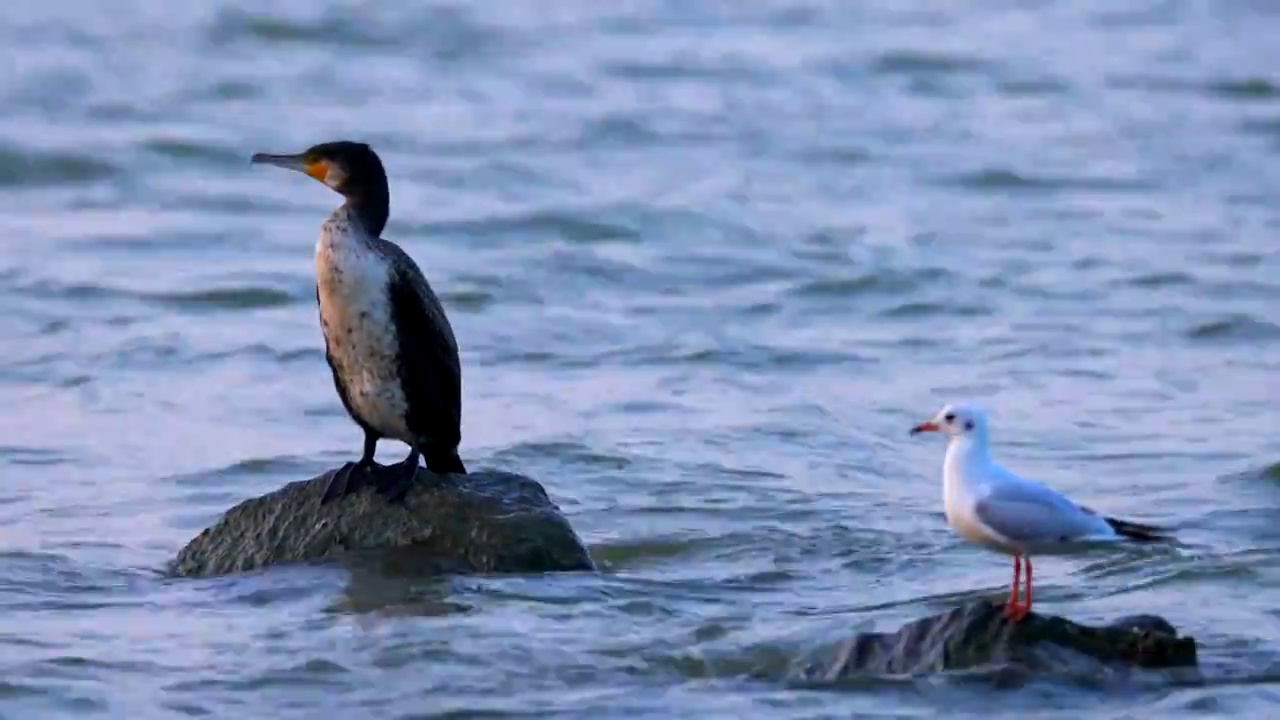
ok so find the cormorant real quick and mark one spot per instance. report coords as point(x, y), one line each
point(391, 348)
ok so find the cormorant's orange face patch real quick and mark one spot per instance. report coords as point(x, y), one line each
point(318, 169)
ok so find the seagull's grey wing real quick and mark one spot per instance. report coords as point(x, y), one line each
point(1033, 514)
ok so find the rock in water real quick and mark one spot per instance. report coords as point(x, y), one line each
point(483, 522)
point(977, 635)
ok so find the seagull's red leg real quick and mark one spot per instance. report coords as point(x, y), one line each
point(1011, 608)
point(1020, 611)
point(1027, 607)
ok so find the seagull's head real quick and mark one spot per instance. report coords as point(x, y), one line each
point(956, 420)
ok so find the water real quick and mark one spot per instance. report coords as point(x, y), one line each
point(707, 264)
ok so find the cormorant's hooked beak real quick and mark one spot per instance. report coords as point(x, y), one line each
point(317, 169)
point(929, 426)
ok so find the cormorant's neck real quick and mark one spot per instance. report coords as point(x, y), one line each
point(371, 207)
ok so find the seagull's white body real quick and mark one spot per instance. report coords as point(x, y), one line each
point(999, 510)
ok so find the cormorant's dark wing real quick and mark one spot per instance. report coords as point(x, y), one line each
point(337, 381)
point(428, 360)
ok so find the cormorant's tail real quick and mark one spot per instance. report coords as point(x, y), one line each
point(444, 462)
point(1136, 531)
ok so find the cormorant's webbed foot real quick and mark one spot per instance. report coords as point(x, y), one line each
point(352, 477)
point(394, 481)
point(347, 480)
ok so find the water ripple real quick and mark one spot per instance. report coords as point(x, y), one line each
point(999, 179)
point(30, 168)
point(223, 298)
point(914, 61)
point(1238, 328)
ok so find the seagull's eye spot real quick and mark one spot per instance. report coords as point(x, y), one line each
point(968, 425)
point(949, 417)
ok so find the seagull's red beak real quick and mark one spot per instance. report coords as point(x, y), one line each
point(929, 426)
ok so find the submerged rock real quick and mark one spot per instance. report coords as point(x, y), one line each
point(977, 635)
point(483, 522)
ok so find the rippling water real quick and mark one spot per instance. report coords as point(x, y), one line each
point(707, 262)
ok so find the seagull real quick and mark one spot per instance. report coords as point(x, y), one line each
point(992, 507)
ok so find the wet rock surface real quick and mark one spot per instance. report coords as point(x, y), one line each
point(977, 635)
point(484, 522)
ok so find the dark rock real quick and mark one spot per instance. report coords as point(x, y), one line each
point(977, 635)
point(484, 522)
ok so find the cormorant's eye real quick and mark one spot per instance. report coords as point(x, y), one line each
point(949, 417)
point(968, 425)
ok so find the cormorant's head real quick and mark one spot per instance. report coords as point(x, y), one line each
point(352, 169)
